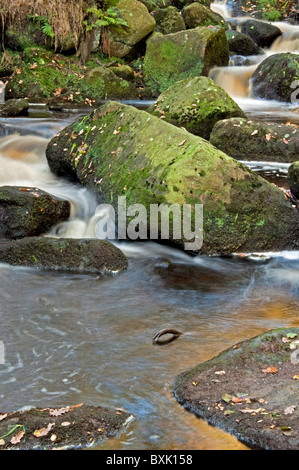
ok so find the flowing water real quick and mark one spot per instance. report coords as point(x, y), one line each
point(86, 338)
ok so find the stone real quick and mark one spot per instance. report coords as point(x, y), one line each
point(197, 14)
point(15, 107)
point(168, 20)
point(177, 56)
point(261, 32)
point(249, 390)
point(277, 78)
point(293, 178)
point(123, 71)
point(26, 212)
point(242, 44)
point(257, 140)
point(86, 256)
point(133, 154)
point(196, 104)
point(141, 24)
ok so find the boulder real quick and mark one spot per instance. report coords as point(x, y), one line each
point(262, 33)
point(131, 154)
point(168, 20)
point(197, 14)
point(249, 390)
point(276, 78)
point(68, 427)
point(191, 53)
point(123, 71)
point(242, 44)
point(15, 107)
point(180, 4)
point(26, 212)
point(196, 104)
point(123, 41)
point(293, 178)
point(102, 83)
point(257, 140)
point(61, 254)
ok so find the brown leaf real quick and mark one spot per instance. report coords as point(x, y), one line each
point(270, 370)
point(289, 410)
point(3, 416)
point(17, 438)
point(59, 411)
point(43, 431)
point(182, 143)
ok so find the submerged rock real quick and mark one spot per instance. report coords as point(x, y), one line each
point(250, 390)
point(121, 151)
point(186, 54)
point(196, 104)
point(276, 78)
point(61, 428)
point(79, 256)
point(257, 140)
point(26, 212)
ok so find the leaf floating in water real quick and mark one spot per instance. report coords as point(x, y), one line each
point(175, 334)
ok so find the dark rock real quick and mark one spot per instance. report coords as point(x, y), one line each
point(15, 107)
point(262, 33)
point(276, 77)
point(293, 178)
point(79, 256)
point(62, 428)
point(26, 212)
point(250, 390)
point(256, 140)
point(242, 44)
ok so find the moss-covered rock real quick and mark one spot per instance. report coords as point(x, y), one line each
point(196, 104)
point(70, 255)
point(191, 53)
point(123, 41)
point(276, 77)
point(180, 4)
point(257, 140)
point(15, 107)
point(168, 20)
point(121, 151)
point(197, 14)
point(28, 212)
point(250, 390)
point(293, 178)
point(123, 71)
point(242, 44)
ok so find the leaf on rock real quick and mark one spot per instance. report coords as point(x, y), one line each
point(17, 438)
point(270, 370)
point(290, 410)
point(43, 431)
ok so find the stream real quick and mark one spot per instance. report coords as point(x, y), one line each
point(73, 338)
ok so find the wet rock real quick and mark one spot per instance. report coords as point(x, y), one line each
point(79, 256)
point(242, 44)
point(61, 428)
point(149, 161)
point(293, 178)
point(26, 212)
point(250, 390)
point(197, 14)
point(124, 41)
point(256, 140)
point(262, 33)
point(196, 104)
point(191, 53)
point(123, 71)
point(276, 78)
point(168, 20)
point(15, 107)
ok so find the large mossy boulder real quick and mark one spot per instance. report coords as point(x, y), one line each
point(168, 20)
point(123, 41)
point(257, 140)
point(262, 33)
point(191, 53)
point(15, 107)
point(196, 104)
point(249, 390)
point(121, 151)
point(180, 4)
point(197, 14)
point(61, 254)
point(276, 78)
point(242, 44)
point(26, 212)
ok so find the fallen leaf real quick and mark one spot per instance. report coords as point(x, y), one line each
point(270, 370)
point(182, 143)
point(3, 416)
point(2, 442)
point(43, 431)
point(290, 410)
point(59, 411)
point(17, 438)
point(220, 372)
point(268, 137)
point(53, 437)
point(254, 132)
